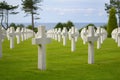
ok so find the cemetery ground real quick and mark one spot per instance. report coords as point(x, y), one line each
point(20, 63)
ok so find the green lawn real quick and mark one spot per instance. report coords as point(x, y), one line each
point(20, 63)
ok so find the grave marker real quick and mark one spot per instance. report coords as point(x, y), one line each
point(1, 38)
point(118, 35)
point(41, 40)
point(12, 36)
point(73, 36)
point(18, 34)
point(91, 38)
point(22, 34)
point(84, 33)
point(64, 36)
point(59, 34)
point(98, 32)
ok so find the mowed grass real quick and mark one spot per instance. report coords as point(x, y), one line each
point(20, 63)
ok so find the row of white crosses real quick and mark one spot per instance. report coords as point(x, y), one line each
point(11, 33)
point(116, 35)
point(100, 32)
point(73, 35)
point(91, 36)
point(19, 34)
point(102, 35)
point(41, 40)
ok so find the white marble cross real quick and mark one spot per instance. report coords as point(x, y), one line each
point(8, 31)
point(77, 34)
point(22, 34)
point(59, 34)
point(118, 35)
point(30, 33)
point(1, 38)
point(69, 34)
point(64, 36)
point(12, 36)
point(56, 35)
point(103, 35)
point(84, 33)
point(41, 40)
point(18, 34)
point(73, 36)
point(25, 33)
point(91, 38)
point(98, 33)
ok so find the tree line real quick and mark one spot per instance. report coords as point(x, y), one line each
point(30, 7)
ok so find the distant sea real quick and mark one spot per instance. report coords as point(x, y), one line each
point(52, 25)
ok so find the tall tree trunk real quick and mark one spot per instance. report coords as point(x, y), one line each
point(7, 19)
point(2, 20)
point(32, 15)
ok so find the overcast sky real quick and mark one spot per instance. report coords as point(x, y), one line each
point(64, 10)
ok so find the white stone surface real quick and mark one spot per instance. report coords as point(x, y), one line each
point(84, 33)
point(56, 35)
point(102, 35)
point(91, 38)
point(59, 34)
point(22, 34)
point(41, 40)
point(8, 31)
point(1, 38)
point(12, 36)
point(73, 37)
point(98, 32)
point(18, 35)
point(116, 35)
point(69, 34)
point(77, 34)
point(64, 36)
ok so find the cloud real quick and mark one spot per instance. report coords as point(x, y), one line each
point(101, 12)
point(80, 1)
point(64, 11)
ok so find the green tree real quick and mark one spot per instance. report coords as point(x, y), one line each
point(2, 9)
point(91, 24)
point(59, 25)
point(31, 7)
point(10, 10)
point(104, 26)
point(68, 25)
point(112, 22)
point(30, 27)
point(5, 10)
point(116, 5)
